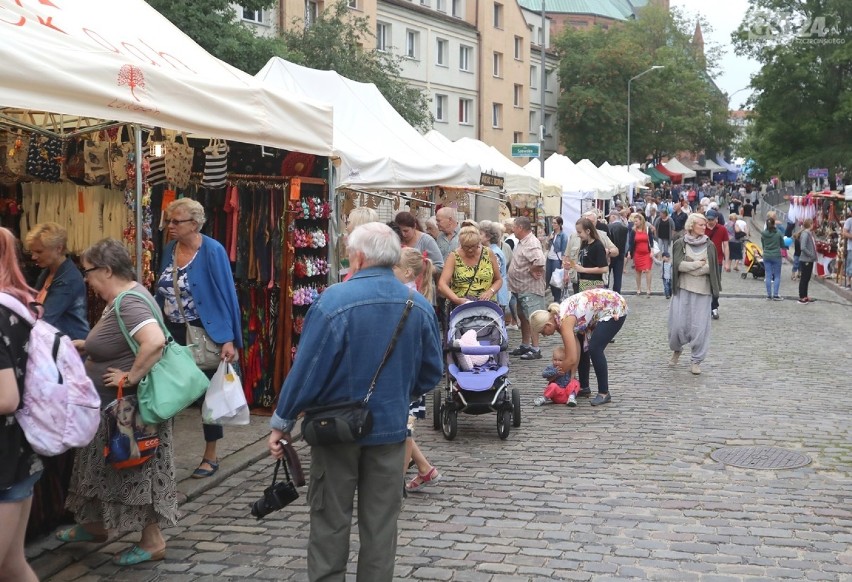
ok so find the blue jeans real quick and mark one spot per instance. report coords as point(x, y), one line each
point(616, 272)
point(773, 276)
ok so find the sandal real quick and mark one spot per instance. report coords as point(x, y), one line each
point(136, 555)
point(78, 533)
point(200, 473)
point(421, 480)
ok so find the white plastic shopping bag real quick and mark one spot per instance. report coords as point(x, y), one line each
point(225, 402)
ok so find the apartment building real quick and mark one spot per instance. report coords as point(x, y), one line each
point(541, 36)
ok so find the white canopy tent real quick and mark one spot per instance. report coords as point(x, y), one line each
point(577, 186)
point(674, 165)
point(377, 148)
point(591, 169)
point(627, 180)
point(111, 61)
point(639, 174)
point(517, 179)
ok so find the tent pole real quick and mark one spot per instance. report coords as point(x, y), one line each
point(333, 227)
point(138, 162)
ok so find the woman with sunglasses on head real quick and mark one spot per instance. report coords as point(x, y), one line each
point(198, 266)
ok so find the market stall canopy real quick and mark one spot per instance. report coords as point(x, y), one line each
point(656, 176)
point(638, 174)
point(576, 182)
point(517, 180)
point(674, 177)
point(592, 170)
point(104, 60)
point(676, 167)
point(619, 173)
point(551, 190)
point(378, 149)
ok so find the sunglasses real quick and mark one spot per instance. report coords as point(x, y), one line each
point(175, 221)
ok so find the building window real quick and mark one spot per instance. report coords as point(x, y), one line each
point(533, 77)
point(497, 115)
point(465, 53)
point(497, 65)
point(519, 48)
point(312, 13)
point(540, 36)
point(533, 122)
point(425, 3)
point(412, 40)
point(498, 15)
point(352, 3)
point(518, 137)
point(547, 83)
point(441, 108)
point(518, 95)
point(457, 8)
point(255, 16)
point(548, 125)
point(382, 36)
point(464, 111)
point(441, 5)
point(442, 47)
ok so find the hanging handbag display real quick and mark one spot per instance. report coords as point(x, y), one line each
point(347, 422)
point(96, 161)
point(130, 442)
point(44, 158)
point(17, 148)
point(174, 382)
point(205, 351)
point(179, 162)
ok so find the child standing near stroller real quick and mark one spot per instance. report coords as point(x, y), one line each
point(561, 388)
point(666, 263)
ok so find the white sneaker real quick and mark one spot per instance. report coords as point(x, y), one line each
point(695, 369)
point(514, 327)
point(572, 401)
point(542, 400)
point(674, 359)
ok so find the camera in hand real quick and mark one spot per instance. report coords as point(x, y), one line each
point(275, 497)
point(281, 493)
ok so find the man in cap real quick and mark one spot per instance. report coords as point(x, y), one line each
point(718, 235)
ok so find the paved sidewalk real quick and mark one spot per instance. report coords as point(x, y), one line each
point(623, 491)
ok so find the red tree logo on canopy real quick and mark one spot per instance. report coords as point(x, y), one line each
point(132, 77)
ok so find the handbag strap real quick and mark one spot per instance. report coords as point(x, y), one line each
point(175, 285)
point(116, 304)
point(408, 305)
point(275, 472)
point(475, 271)
point(291, 460)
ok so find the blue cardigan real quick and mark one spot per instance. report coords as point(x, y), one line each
point(213, 290)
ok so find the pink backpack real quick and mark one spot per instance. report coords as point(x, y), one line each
point(61, 407)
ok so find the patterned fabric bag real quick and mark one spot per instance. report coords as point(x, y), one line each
point(44, 158)
point(157, 173)
point(17, 147)
point(179, 162)
point(96, 159)
point(75, 161)
point(216, 164)
point(118, 164)
point(130, 442)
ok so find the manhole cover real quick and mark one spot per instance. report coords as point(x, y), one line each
point(760, 457)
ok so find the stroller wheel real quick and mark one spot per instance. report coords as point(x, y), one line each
point(744, 275)
point(437, 396)
point(516, 407)
point(449, 423)
point(504, 422)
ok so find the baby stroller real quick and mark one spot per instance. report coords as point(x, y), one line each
point(477, 367)
point(753, 261)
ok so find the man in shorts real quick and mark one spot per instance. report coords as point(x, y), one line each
point(527, 285)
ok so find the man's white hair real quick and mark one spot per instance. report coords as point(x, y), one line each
point(379, 244)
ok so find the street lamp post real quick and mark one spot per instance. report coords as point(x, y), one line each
point(628, 107)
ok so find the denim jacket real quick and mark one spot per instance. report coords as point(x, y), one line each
point(66, 302)
point(346, 333)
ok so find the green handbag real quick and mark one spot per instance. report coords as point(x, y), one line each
point(174, 382)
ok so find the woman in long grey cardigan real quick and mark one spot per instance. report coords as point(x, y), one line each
point(694, 284)
point(807, 258)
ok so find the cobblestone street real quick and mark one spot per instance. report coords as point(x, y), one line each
point(623, 491)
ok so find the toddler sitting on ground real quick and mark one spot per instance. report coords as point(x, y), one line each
point(561, 388)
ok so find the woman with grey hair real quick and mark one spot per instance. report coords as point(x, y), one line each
point(492, 235)
point(143, 497)
point(196, 288)
point(695, 281)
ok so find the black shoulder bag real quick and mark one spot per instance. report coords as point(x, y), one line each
point(347, 422)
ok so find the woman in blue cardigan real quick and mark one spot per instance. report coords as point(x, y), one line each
point(208, 297)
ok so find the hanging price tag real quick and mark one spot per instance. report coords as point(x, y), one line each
point(295, 188)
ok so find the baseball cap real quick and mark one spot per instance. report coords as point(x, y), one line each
point(712, 215)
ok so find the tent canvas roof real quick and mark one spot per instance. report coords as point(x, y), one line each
point(378, 149)
point(678, 168)
point(517, 179)
point(656, 176)
point(125, 62)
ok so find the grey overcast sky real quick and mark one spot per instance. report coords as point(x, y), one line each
point(725, 16)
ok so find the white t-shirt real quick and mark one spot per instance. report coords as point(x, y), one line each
point(847, 226)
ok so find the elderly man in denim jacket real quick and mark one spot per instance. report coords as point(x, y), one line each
point(345, 336)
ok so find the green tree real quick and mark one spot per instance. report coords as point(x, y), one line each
point(214, 24)
point(336, 41)
point(672, 109)
point(802, 98)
